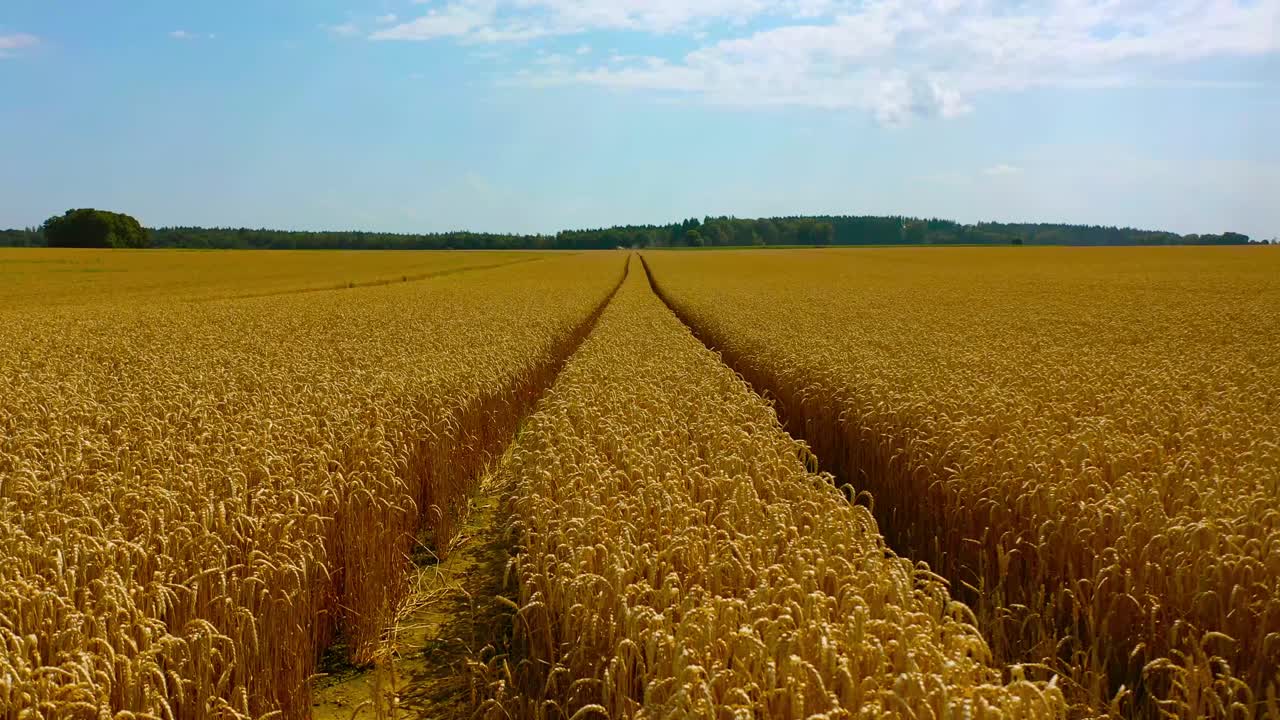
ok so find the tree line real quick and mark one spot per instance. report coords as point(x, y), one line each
point(102, 229)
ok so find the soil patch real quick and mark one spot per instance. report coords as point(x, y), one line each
point(452, 615)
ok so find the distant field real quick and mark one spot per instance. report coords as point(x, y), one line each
point(864, 246)
point(832, 482)
point(64, 275)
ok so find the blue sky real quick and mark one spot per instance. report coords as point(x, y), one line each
point(536, 115)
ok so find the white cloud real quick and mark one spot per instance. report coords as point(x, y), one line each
point(895, 59)
point(1002, 170)
point(957, 178)
point(504, 20)
point(655, 16)
point(347, 29)
point(552, 60)
point(453, 20)
point(10, 44)
point(583, 50)
point(511, 33)
point(186, 35)
point(387, 19)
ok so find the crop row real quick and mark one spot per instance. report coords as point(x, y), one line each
point(1084, 443)
point(195, 497)
point(679, 559)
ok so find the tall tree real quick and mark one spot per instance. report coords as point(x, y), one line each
point(91, 228)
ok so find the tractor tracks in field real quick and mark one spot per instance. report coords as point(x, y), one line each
point(457, 617)
point(836, 469)
point(377, 282)
point(458, 622)
point(453, 618)
point(833, 460)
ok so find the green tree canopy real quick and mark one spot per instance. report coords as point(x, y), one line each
point(91, 228)
point(104, 231)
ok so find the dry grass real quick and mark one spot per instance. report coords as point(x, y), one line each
point(195, 496)
point(679, 559)
point(1084, 441)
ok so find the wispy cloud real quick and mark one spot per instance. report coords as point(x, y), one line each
point(896, 59)
point(960, 178)
point(1002, 170)
point(347, 29)
point(552, 60)
point(454, 20)
point(503, 20)
point(386, 19)
point(187, 35)
point(16, 42)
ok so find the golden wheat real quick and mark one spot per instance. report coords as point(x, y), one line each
point(40, 277)
point(1084, 441)
point(194, 496)
point(678, 560)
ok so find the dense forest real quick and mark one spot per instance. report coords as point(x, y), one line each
point(708, 232)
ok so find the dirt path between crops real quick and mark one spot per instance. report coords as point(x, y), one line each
point(457, 616)
point(453, 614)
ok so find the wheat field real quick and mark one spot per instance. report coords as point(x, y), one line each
point(194, 497)
point(1084, 442)
point(680, 560)
point(73, 276)
point(904, 483)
